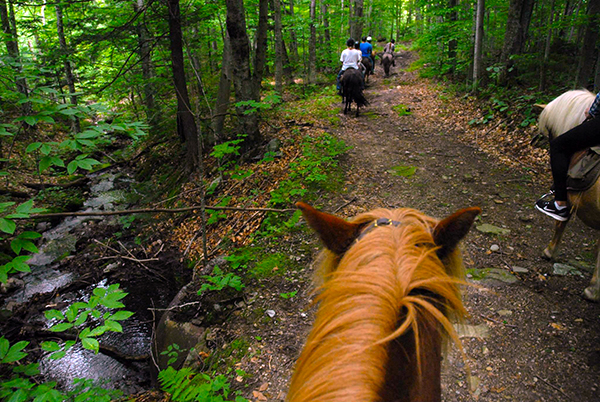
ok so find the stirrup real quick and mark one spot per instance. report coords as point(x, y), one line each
point(548, 194)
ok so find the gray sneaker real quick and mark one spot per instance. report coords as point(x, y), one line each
point(549, 208)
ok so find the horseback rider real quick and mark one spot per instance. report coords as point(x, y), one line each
point(390, 47)
point(350, 59)
point(361, 66)
point(367, 51)
point(583, 136)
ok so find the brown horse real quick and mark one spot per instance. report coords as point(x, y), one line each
point(558, 117)
point(386, 61)
point(366, 61)
point(352, 84)
point(390, 282)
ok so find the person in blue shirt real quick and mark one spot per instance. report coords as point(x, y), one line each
point(367, 51)
point(585, 135)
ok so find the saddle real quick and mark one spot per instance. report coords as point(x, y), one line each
point(584, 169)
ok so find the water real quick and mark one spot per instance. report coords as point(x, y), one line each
point(46, 277)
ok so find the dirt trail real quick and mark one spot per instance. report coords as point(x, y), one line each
point(530, 337)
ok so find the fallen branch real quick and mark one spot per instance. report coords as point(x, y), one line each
point(15, 194)
point(153, 210)
point(41, 186)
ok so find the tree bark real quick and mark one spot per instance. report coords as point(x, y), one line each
point(278, 47)
point(242, 77)
point(144, 51)
point(186, 125)
point(12, 48)
point(293, 39)
point(587, 54)
point(356, 24)
point(452, 43)
point(312, 44)
point(517, 27)
point(224, 93)
point(543, 67)
point(76, 127)
point(260, 58)
point(477, 59)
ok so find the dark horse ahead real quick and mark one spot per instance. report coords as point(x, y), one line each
point(352, 84)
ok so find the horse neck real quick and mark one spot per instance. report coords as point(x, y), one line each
point(410, 378)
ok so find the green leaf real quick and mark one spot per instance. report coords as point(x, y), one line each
point(58, 355)
point(31, 120)
point(19, 395)
point(121, 315)
point(45, 149)
point(45, 163)
point(20, 263)
point(28, 369)
point(54, 314)
point(100, 292)
point(90, 344)
point(61, 327)
point(30, 235)
point(25, 207)
point(82, 318)
point(50, 346)
point(69, 112)
point(72, 167)
point(15, 352)
point(7, 226)
point(45, 119)
point(33, 146)
point(99, 330)
point(4, 346)
point(113, 326)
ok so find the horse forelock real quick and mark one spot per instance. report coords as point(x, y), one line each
point(565, 112)
point(377, 292)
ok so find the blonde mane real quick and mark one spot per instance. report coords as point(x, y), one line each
point(565, 112)
point(386, 283)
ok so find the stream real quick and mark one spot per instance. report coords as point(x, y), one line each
point(107, 192)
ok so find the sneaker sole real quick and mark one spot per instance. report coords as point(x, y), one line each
point(557, 217)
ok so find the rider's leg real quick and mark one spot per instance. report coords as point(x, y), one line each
point(564, 146)
point(337, 81)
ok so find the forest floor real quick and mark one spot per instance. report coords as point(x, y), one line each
point(530, 335)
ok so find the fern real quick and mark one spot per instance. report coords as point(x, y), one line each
point(186, 385)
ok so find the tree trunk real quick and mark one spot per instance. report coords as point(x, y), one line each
point(453, 43)
point(543, 67)
point(186, 125)
point(12, 47)
point(597, 75)
point(278, 47)
point(242, 78)
point(260, 58)
point(326, 31)
point(517, 27)
point(144, 51)
point(287, 67)
point(76, 127)
point(224, 92)
point(356, 24)
point(585, 68)
point(293, 39)
point(312, 44)
point(477, 63)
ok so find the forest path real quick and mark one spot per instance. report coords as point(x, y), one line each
point(530, 337)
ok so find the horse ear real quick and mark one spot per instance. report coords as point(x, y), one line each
point(336, 233)
point(450, 231)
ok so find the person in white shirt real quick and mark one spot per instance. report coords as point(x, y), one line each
point(350, 59)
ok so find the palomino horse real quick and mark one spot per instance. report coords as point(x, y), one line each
point(558, 117)
point(386, 61)
point(366, 61)
point(390, 282)
point(352, 83)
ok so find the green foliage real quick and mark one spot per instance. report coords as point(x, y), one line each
point(88, 320)
point(23, 386)
point(220, 280)
point(173, 352)
point(288, 295)
point(186, 385)
point(403, 171)
point(402, 110)
point(269, 265)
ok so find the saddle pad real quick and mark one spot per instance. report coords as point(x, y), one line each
point(585, 171)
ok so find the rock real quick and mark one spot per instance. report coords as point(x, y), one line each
point(525, 218)
point(472, 331)
point(273, 148)
point(504, 313)
point(468, 178)
point(111, 267)
point(520, 270)
point(491, 229)
point(564, 270)
point(473, 382)
point(494, 248)
point(11, 284)
point(270, 313)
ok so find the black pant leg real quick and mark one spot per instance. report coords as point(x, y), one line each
point(564, 146)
